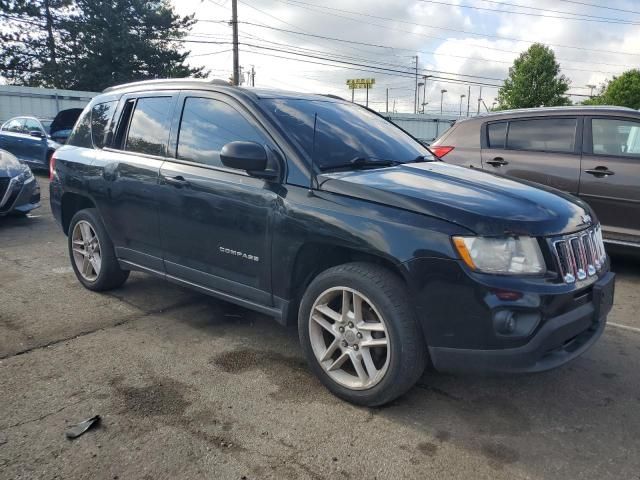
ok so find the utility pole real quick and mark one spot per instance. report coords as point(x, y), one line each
point(424, 93)
point(461, 98)
point(367, 101)
point(387, 109)
point(442, 92)
point(479, 100)
point(234, 24)
point(468, 100)
point(415, 99)
point(591, 87)
point(253, 76)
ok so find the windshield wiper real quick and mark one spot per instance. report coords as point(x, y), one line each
point(361, 162)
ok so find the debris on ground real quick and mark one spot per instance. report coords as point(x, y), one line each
point(76, 430)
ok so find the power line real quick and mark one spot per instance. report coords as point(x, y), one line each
point(428, 51)
point(300, 4)
point(529, 14)
point(519, 5)
point(601, 6)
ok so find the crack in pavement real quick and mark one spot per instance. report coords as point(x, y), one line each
point(42, 417)
point(131, 318)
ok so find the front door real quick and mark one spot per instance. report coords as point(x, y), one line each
point(35, 143)
point(610, 176)
point(542, 150)
point(215, 221)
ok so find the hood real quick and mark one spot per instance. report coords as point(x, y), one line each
point(9, 165)
point(485, 203)
point(65, 120)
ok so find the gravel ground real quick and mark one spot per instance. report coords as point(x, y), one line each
point(190, 387)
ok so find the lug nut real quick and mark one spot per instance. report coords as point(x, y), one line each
point(359, 335)
point(341, 329)
point(350, 324)
point(344, 343)
point(355, 347)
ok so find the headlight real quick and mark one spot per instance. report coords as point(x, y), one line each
point(503, 255)
point(25, 175)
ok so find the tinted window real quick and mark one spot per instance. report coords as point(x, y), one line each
point(548, 134)
point(81, 134)
point(344, 131)
point(497, 134)
point(149, 128)
point(14, 125)
point(615, 137)
point(207, 125)
point(100, 116)
point(46, 124)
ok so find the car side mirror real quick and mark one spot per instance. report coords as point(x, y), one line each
point(37, 134)
point(249, 156)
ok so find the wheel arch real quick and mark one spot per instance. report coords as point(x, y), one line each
point(71, 204)
point(315, 257)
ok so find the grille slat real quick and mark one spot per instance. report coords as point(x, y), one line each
point(580, 255)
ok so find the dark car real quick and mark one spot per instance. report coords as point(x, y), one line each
point(19, 189)
point(591, 152)
point(314, 210)
point(28, 140)
point(33, 140)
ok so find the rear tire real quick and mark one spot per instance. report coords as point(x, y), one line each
point(92, 254)
point(378, 339)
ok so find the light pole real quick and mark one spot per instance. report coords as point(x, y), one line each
point(421, 84)
point(591, 87)
point(424, 92)
point(461, 97)
point(442, 92)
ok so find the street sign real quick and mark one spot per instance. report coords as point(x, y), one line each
point(361, 83)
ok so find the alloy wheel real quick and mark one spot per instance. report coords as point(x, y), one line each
point(349, 338)
point(86, 250)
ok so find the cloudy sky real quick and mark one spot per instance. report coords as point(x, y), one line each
point(460, 43)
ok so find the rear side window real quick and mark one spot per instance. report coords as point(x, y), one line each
point(149, 127)
point(33, 125)
point(81, 134)
point(546, 135)
point(615, 137)
point(207, 125)
point(497, 135)
point(101, 114)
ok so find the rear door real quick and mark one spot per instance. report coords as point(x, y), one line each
point(610, 176)
point(130, 166)
point(543, 150)
point(215, 220)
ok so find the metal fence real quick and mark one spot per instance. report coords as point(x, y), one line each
point(424, 127)
point(39, 102)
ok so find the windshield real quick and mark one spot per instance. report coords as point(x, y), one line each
point(345, 132)
point(47, 125)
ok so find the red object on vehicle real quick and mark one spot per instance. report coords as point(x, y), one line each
point(440, 151)
point(52, 166)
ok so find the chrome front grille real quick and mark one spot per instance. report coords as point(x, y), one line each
point(580, 255)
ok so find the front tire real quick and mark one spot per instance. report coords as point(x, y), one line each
point(360, 335)
point(92, 254)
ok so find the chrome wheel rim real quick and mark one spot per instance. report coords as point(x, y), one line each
point(349, 338)
point(86, 250)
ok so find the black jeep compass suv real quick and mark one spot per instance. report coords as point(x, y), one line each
point(317, 211)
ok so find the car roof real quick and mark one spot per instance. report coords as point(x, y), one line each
point(217, 85)
point(554, 111)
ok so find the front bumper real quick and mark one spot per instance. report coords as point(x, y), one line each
point(20, 197)
point(559, 340)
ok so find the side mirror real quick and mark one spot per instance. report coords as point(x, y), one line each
point(249, 156)
point(37, 134)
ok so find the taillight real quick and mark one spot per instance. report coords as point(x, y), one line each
point(52, 165)
point(440, 151)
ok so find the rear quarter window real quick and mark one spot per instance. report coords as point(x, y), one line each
point(463, 135)
point(81, 134)
point(101, 115)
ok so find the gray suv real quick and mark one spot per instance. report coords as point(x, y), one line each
point(591, 152)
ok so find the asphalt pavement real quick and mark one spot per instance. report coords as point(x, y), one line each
point(191, 387)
